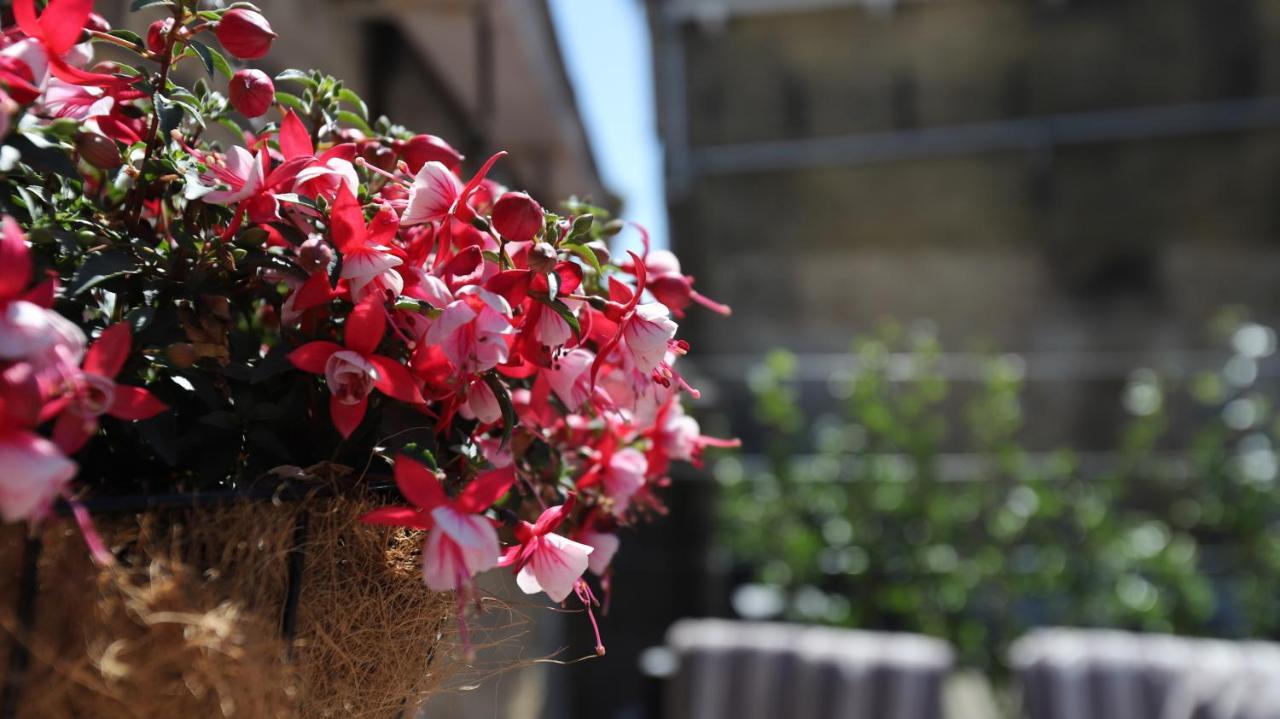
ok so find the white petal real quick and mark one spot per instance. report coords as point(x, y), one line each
point(557, 563)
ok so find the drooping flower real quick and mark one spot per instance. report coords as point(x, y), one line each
point(353, 371)
point(673, 288)
point(94, 391)
point(461, 542)
point(472, 330)
point(53, 34)
point(33, 471)
point(545, 561)
point(29, 329)
point(369, 260)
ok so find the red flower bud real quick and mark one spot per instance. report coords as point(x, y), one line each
point(378, 155)
point(251, 92)
point(99, 151)
point(422, 149)
point(542, 258)
point(97, 22)
point(245, 34)
point(158, 35)
point(517, 217)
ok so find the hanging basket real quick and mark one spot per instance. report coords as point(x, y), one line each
point(271, 602)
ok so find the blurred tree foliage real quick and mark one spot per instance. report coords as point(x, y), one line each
point(858, 519)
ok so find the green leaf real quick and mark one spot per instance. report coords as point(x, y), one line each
point(349, 96)
point(586, 254)
point(128, 36)
point(137, 5)
point(100, 268)
point(212, 59)
point(296, 76)
point(353, 119)
point(293, 102)
point(504, 403)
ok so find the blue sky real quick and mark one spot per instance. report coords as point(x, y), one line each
point(606, 50)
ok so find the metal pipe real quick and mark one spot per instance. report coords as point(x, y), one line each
point(1021, 134)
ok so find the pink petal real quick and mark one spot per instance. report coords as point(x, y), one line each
point(555, 565)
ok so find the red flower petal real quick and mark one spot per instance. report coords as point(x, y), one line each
point(365, 325)
point(62, 22)
point(398, 517)
point(313, 293)
point(24, 12)
point(346, 417)
point(106, 356)
point(419, 484)
point(71, 431)
point(554, 516)
point(513, 285)
point(485, 490)
point(134, 403)
point(295, 140)
point(346, 221)
point(312, 356)
point(395, 381)
point(15, 258)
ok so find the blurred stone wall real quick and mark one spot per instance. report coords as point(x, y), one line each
point(1122, 246)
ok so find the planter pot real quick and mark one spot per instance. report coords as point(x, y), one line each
point(272, 603)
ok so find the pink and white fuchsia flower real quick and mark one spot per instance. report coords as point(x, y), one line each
point(353, 371)
point(461, 542)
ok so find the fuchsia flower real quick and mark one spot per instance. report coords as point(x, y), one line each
point(354, 371)
point(33, 471)
point(472, 330)
point(240, 179)
point(369, 261)
point(54, 33)
point(460, 542)
point(94, 392)
point(29, 329)
point(545, 561)
point(673, 288)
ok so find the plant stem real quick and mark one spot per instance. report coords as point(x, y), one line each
point(166, 61)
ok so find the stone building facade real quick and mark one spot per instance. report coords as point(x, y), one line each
point(1084, 182)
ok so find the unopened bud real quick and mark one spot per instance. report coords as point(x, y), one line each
point(315, 254)
point(517, 217)
point(252, 92)
point(582, 225)
point(245, 34)
point(98, 150)
point(600, 250)
point(379, 156)
point(421, 149)
point(542, 258)
point(158, 35)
